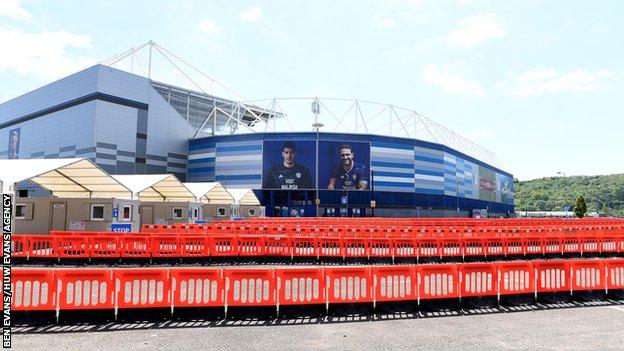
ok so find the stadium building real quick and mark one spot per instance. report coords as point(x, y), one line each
point(376, 160)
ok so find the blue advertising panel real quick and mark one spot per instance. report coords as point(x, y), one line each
point(344, 165)
point(288, 165)
point(14, 143)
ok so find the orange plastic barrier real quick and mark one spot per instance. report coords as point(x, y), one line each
point(33, 289)
point(478, 279)
point(439, 281)
point(405, 247)
point(250, 245)
point(304, 247)
point(615, 274)
point(349, 285)
point(552, 276)
point(297, 286)
point(85, 289)
point(552, 245)
point(494, 246)
point(19, 246)
point(380, 247)
point(135, 246)
point(223, 246)
point(428, 248)
point(355, 247)
point(516, 278)
point(589, 243)
point(330, 247)
point(42, 246)
point(395, 283)
point(142, 288)
point(197, 287)
point(164, 246)
point(278, 245)
point(588, 275)
point(104, 246)
point(475, 247)
point(250, 287)
point(194, 246)
point(514, 246)
point(72, 246)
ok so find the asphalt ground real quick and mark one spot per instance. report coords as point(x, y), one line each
point(594, 325)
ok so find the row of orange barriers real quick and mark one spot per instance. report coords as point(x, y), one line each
point(439, 222)
point(57, 289)
point(377, 232)
point(366, 228)
point(115, 245)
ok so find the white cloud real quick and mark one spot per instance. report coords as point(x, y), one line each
point(251, 14)
point(386, 22)
point(548, 80)
point(447, 79)
point(474, 30)
point(13, 9)
point(208, 26)
point(43, 54)
point(274, 35)
point(465, 2)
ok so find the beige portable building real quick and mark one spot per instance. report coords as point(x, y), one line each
point(216, 200)
point(83, 197)
point(163, 198)
point(246, 204)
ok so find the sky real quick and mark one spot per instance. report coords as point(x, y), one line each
point(539, 83)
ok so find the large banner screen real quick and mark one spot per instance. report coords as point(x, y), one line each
point(288, 165)
point(344, 165)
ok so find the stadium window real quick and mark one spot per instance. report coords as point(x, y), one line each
point(20, 211)
point(97, 212)
point(221, 211)
point(126, 213)
point(176, 213)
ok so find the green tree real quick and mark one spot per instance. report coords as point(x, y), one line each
point(580, 208)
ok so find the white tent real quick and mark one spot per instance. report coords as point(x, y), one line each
point(244, 197)
point(156, 187)
point(64, 177)
point(210, 193)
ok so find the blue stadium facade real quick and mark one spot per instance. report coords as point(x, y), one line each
point(407, 177)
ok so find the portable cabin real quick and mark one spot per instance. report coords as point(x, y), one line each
point(79, 196)
point(163, 198)
point(246, 204)
point(216, 200)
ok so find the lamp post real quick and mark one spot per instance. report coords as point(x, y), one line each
point(565, 191)
point(316, 109)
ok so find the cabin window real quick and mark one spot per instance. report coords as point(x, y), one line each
point(20, 211)
point(97, 212)
point(126, 213)
point(177, 213)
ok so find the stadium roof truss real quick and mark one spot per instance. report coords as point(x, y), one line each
point(212, 114)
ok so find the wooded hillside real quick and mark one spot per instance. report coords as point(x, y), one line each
point(602, 193)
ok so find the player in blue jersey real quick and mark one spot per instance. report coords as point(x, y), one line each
point(348, 175)
point(288, 175)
